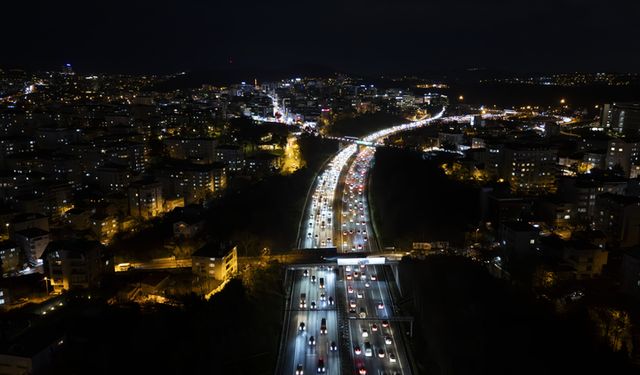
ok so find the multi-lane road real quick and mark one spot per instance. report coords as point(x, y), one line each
point(308, 346)
point(376, 338)
point(318, 221)
point(362, 334)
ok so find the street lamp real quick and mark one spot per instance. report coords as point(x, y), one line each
point(46, 283)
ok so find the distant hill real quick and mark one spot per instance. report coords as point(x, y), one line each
point(236, 73)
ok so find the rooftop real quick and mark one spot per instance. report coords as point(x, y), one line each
point(213, 250)
point(32, 232)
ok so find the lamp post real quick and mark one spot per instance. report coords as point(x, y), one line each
point(46, 284)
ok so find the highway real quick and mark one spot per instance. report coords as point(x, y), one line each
point(371, 323)
point(300, 352)
point(375, 339)
point(318, 224)
point(361, 319)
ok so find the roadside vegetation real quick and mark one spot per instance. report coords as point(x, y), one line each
point(360, 125)
point(467, 322)
point(237, 331)
point(414, 201)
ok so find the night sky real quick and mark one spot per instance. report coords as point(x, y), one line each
point(356, 36)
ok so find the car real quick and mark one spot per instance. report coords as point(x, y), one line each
point(312, 341)
point(359, 294)
point(352, 311)
point(380, 306)
point(374, 327)
point(349, 277)
point(367, 285)
point(373, 277)
point(323, 297)
point(365, 333)
point(305, 273)
point(380, 353)
point(299, 370)
point(313, 279)
point(359, 246)
point(333, 347)
point(303, 304)
point(387, 340)
point(362, 371)
point(356, 274)
point(368, 350)
point(349, 289)
point(392, 358)
point(348, 268)
point(313, 305)
point(321, 368)
point(302, 326)
point(330, 300)
point(309, 235)
point(385, 323)
point(357, 350)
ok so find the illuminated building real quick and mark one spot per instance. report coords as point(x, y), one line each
point(621, 117)
point(202, 150)
point(145, 199)
point(56, 138)
point(33, 242)
point(622, 154)
point(75, 264)
point(193, 182)
point(112, 178)
point(232, 156)
point(530, 168)
point(104, 227)
point(218, 261)
point(10, 257)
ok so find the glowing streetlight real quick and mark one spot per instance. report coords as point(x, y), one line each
point(461, 97)
point(562, 101)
